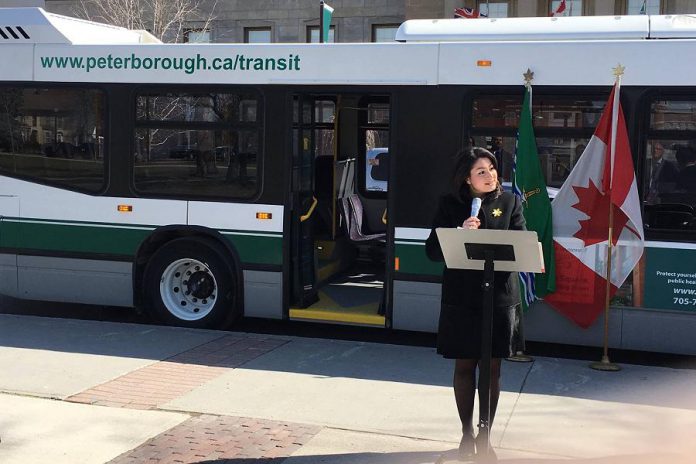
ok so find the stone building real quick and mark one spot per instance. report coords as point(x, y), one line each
point(366, 20)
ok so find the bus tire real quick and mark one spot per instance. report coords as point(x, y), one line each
point(189, 283)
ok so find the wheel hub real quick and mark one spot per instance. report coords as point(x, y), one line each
point(201, 284)
point(188, 289)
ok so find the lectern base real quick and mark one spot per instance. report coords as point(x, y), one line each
point(452, 457)
point(605, 365)
point(520, 357)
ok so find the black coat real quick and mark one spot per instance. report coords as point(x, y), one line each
point(463, 287)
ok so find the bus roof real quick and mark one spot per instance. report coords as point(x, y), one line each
point(34, 25)
point(53, 48)
point(552, 29)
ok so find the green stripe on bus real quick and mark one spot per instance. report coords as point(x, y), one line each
point(258, 249)
point(120, 240)
point(413, 260)
point(81, 238)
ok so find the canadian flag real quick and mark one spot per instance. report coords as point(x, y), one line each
point(561, 8)
point(599, 180)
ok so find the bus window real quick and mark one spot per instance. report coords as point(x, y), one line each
point(563, 126)
point(566, 112)
point(496, 111)
point(669, 166)
point(208, 107)
point(202, 145)
point(669, 185)
point(53, 136)
point(558, 155)
point(375, 159)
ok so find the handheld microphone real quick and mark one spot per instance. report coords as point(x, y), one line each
point(475, 206)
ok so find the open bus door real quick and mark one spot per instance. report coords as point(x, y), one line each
point(338, 262)
point(302, 262)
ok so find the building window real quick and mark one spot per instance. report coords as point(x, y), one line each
point(572, 8)
point(494, 9)
point(197, 36)
point(53, 136)
point(257, 35)
point(384, 32)
point(651, 7)
point(313, 34)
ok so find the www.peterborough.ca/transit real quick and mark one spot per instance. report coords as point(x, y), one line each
point(190, 65)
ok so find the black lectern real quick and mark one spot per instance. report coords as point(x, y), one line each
point(489, 251)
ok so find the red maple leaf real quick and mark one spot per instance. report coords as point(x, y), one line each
point(595, 204)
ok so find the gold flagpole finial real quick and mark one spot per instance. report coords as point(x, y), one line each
point(528, 77)
point(618, 70)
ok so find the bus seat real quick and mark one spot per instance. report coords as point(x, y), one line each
point(352, 218)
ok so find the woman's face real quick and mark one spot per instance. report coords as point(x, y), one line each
point(483, 177)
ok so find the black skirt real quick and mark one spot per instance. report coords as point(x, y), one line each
point(459, 332)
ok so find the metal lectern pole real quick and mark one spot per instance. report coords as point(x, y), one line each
point(486, 351)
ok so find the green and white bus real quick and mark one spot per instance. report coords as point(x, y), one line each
point(203, 182)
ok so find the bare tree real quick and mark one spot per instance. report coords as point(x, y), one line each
point(168, 20)
point(165, 19)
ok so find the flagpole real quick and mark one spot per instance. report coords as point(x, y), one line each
point(321, 21)
point(605, 364)
point(519, 355)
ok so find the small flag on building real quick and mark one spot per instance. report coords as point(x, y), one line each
point(325, 22)
point(468, 13)
point(560, 9)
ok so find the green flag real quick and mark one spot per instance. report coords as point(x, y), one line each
point(528, 183)
point(326, 12)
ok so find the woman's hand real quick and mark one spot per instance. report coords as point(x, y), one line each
point(471, 223)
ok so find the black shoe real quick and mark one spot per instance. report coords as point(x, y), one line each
point(466, 446)
point(481, 454)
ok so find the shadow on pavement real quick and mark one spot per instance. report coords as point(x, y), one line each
point(449, 458)
point(331, 358)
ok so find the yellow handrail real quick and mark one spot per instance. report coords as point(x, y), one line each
point(304, 217)
point(384, 216)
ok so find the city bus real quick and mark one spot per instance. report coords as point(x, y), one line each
point(205, 182)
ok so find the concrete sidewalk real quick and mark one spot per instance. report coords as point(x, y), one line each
point(94, 392)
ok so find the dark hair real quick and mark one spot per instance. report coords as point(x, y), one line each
point(466, 159)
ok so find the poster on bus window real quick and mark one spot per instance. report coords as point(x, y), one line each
point(377, 170)
point(670, 279)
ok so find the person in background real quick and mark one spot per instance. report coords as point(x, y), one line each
point(663, 175)
point(459, 330)
point(503, 158)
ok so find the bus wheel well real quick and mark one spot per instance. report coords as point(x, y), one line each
point(166, 234)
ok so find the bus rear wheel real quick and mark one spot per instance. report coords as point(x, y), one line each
point(189, 283)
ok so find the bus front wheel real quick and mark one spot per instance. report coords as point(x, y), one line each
point(188, 283)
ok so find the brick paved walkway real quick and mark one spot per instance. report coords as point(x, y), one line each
point(164, 381)
point(208, 439)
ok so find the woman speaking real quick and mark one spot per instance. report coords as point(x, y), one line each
point(459, 335)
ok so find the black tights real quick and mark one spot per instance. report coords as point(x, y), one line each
point(465, 388)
